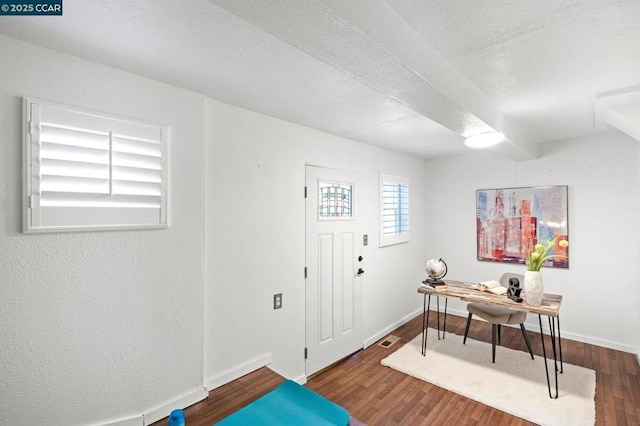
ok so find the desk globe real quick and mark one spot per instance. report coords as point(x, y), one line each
point(436, 270)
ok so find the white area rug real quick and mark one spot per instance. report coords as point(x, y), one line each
point(515, 384)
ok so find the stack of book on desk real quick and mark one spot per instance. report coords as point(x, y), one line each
point(434, 285)
point(491, 286)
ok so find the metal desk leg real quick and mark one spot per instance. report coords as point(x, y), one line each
point(438, 307)
point(425, 322)
point(560, 343)
point(446, 300)
point(444, 328)
point(426, 309)
point(552, 336)
point(552, 328)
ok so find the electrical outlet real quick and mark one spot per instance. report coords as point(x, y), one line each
point(277, 301)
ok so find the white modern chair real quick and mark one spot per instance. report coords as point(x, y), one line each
point(497, 316)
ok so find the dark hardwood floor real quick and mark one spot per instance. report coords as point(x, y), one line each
point(378, 395)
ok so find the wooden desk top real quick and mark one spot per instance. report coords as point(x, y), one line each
point(461, 290)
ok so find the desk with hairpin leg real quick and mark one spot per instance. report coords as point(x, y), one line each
point(550, 308)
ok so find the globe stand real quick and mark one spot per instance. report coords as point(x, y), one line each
point(433, 281)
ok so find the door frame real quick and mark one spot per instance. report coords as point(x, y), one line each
point(356, 341)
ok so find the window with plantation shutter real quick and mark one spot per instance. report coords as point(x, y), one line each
point(85, 170)
point(394, 210)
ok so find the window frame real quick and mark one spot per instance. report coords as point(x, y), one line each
point(386, 240)
point(106, 214)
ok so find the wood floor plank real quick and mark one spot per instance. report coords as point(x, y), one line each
point(378, 395)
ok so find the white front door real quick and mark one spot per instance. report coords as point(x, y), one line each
point(334, 277)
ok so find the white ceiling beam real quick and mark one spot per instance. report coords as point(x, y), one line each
point(625, 118)
point(619, 109)
point(375, 17)
point(354, 37)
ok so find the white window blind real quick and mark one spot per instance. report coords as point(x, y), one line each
point(86, 170)
point(394, 210)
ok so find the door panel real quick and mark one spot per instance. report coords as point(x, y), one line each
point(325, 287)
point(348, 278)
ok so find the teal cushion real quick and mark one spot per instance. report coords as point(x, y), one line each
point(289, 404)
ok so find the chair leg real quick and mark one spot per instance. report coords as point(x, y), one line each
point(526, 339)
point(466, 329)
point(499, 333)
point(494, 332)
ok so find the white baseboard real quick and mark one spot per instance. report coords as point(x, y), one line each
point(236, 372)
point(163, 410)
point(160, 411)
point(533, 324)
point(597, 342)
point(136, 420)
point(301, 380)
point(382, 333)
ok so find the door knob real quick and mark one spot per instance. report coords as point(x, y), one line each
point(360, 271)
point(360, 258)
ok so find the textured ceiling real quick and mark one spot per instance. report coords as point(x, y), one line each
point(413, 76)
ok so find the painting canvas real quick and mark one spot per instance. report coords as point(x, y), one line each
point(509, 220)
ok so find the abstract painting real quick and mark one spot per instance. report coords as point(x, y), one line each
point(508, 220)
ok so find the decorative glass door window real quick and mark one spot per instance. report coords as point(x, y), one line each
point(335, 200)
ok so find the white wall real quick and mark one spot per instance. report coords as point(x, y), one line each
point(600, 287)
point(97, 326)
point(105, 327)
point(256, 239)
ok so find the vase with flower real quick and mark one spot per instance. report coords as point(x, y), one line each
point(535, 258)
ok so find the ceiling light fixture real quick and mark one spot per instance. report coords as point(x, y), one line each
point(484, 140)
